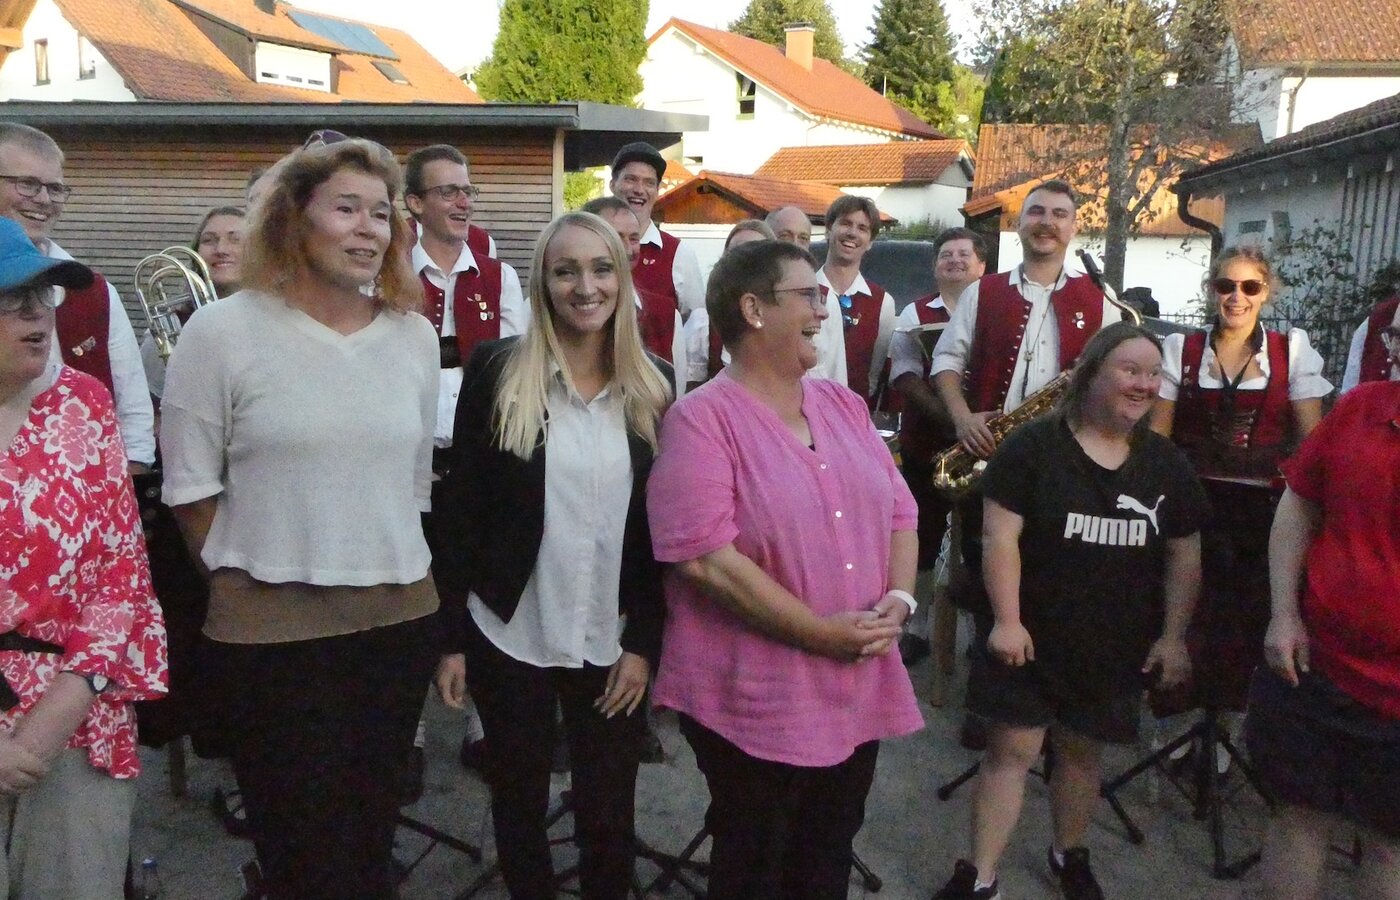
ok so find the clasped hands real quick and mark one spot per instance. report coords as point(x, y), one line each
point(855, 635)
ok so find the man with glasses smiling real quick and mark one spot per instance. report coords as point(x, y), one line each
point(470, 297)
point(1375, 347)
point(93, 332)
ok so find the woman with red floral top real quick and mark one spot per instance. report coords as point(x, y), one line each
point(80, 633)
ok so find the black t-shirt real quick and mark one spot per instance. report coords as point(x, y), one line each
point(1093, 547)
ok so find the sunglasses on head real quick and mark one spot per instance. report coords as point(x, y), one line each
point(1250, 287)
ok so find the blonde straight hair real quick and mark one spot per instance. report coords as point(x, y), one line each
point(519, 419)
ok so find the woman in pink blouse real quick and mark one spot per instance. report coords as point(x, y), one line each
point(793, 539)
point(80, 633)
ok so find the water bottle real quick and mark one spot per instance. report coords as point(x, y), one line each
point(148, 880)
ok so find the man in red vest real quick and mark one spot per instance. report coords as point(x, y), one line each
point(959, 259)
point(93, 332)
point(469, 296)
point(617, 213)
point(855, 338)
point(1013, 332)
point(667, 274)
point(1375, 347)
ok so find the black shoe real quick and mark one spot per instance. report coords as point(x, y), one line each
point(473, 754)
point(1077, 880)
point(963, 885)
point(411, 787)
point(913, 649)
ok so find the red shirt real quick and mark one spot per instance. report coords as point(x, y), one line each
point(73, 568)
point(1350, 467)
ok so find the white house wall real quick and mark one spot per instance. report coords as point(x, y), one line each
point(17, 73)
point(915, 203)
point(1173, 267)
point(1283, 103)
point(680, 76)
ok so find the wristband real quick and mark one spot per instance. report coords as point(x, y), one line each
point(907, 597)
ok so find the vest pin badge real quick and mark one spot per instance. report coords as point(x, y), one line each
point(648, 261)
point(85, 346)
point(1079, 320)
point(487, 315)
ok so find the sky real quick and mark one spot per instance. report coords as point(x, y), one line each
point(460, 32)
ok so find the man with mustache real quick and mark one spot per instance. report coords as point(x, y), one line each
point(667, 274)
point(93, 331)
point(926, 429)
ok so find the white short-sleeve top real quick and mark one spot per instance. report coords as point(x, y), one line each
point(318, 445)
point(1305, 381)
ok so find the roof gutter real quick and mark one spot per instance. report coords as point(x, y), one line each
point(1380, 137)
point(1183, 212)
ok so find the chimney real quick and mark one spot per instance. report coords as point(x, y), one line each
point(800, 37)
point(267, 6)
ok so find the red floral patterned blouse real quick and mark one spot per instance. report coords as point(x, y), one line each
point(73, 567)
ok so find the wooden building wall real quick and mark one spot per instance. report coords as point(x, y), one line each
point(136, 192)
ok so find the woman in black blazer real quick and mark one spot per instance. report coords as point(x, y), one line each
point(550, 590)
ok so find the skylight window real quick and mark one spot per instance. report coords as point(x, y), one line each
point(391, 72)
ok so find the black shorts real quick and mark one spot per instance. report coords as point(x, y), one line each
point(1314, 746)
point(1024, 697)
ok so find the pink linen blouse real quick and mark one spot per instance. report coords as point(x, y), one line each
point(817, 521)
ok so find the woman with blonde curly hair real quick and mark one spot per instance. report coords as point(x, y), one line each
point(550, 587)
point(297, 431)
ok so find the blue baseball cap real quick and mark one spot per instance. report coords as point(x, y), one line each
point(21, 263)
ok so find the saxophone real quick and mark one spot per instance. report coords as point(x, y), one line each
point(957, 471)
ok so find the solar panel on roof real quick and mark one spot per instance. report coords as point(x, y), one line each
point(352, 36)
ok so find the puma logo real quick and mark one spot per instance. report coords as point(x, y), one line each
point(1128, 503)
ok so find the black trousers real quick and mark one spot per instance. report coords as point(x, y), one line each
point(320, 732)
point(517, 702)
point(768, 817)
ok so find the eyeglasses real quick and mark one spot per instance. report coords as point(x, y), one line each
point(451, 192)
point(322, 137)
point(12, 302)
point(848, 320)
point(812, 295)
point(1250, 287)
point(29, 187)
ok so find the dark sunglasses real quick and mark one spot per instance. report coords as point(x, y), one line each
point(848, 321)
point(323, 137)
point(1250, 287)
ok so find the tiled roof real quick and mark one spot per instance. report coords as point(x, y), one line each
point(895, 162)
point(162, 55)
point(1322, 31)
point(1380, 114)
point(825, 91)
point(1008, 155)
point(760, 195)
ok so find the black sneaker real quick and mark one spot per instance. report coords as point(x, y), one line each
point(963, 885)
point(1077, 880)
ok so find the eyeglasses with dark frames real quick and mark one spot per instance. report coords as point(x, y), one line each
point(451, 192)
point(323, 137)
point(29, 186)
point(1250, 287)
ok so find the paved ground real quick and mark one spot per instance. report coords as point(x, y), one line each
point(910, 838)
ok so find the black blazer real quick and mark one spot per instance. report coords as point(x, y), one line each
point(491, 519)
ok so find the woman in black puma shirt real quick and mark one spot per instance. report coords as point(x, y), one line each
point(1092, 565)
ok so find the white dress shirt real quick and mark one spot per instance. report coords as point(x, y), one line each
point(831, 340)
point(685, 273)
point(568, 612)
point(1352, 376)
point(1305, 381)
point(906, 350)
point(515, 318)
point(697, 347)
point(136, 418)
point(1038, 358)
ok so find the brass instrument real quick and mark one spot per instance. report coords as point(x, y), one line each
point(167, 281)
point(957, 471)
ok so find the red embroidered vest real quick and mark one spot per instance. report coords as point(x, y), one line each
point(480, 241)
point(83, 322)
point(652, 277)
point(1241, 437)
point(1002, 317)
point(862, 326)
point(1375, 361)
point(918, 438)
point(476, 304)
